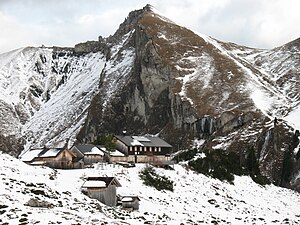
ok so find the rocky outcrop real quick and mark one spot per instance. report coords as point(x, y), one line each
point(33, 202)
point(12, 145)
point(92, 46)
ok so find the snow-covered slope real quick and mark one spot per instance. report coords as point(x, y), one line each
point(277, 72)
point(196, 198)
point(46, 92)
point(282, 65)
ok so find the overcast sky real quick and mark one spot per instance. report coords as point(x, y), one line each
point(254, 23)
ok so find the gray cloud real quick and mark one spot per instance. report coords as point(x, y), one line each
point(256, 23)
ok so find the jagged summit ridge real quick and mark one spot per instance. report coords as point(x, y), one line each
point(131, 22)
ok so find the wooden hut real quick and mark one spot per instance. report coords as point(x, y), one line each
point(130, 202)
point(103, 189)
point(88, 153)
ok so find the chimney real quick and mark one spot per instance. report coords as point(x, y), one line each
point(67, 143)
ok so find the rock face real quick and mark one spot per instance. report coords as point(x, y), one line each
point(153, 76)
point(164, 79)
point(39, 203)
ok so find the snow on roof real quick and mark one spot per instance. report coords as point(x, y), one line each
point(136, 143)
point(141, 138)
point(30, 155)
point(38, 163)
point(95, 151)
point(94, 184)
point(52, 152)
point(102, 148)
point(149, 141)
point(127, 199)
point(116, 153)
point(108, 180)
point(130, 198)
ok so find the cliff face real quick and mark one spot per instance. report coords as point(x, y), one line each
point(164, 79)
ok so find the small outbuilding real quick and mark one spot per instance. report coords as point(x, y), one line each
point(130, 202)
point(88, 153)
point(103, 189)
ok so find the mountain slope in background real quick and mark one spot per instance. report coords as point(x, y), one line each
point(153, 76)
point(45, 93)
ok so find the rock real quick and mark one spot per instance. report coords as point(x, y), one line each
point(33, 202)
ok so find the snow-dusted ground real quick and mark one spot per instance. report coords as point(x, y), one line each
point(196, 198)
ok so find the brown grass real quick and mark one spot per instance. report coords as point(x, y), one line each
point(181, 43)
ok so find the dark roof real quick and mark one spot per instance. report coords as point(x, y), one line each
point(108, 180)
point(89, 149)
point(148, 141)
point(50, 152)
point(84, 148)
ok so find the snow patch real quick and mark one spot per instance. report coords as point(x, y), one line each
point(261, 99)
point(293, 118)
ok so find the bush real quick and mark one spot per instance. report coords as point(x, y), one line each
point(185, 155)
point(260, 179)
point(218, 164)
point(107, 141)
point(222, 165)
point(151, 178)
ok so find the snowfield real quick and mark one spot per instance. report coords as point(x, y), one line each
point(196, 199)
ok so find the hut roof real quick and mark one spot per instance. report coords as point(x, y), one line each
point(107, 180)
point(41, 152)
point(89, 149)
point(148, 141)
point(94, 184)
point(130, 198)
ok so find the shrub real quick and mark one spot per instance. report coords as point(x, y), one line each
point(222, 165)
point(151, 178)
point(218, 164)
point(260, 179)
point(185, 155)
point(107, 141)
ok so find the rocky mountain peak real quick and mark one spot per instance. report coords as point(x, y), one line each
point(132, 21)
point(294, 45)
